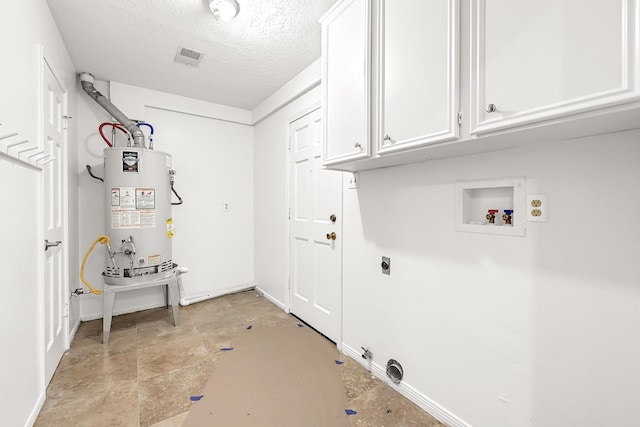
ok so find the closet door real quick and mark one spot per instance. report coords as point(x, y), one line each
point(533, 61)
point(346, 47)
point(418, 73)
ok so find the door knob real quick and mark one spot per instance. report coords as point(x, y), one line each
point(491, 108)
point(333, 218)
point(331, 236)
point(48, 244)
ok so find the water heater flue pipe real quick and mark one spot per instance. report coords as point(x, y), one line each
point(86, 80)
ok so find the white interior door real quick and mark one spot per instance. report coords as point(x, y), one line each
point(55, 292)
point(315, 273)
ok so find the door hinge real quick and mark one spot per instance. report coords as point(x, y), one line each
point(65, 121)
point(459, 118)
point(289, 214)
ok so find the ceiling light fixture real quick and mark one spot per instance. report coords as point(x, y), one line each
point(224, 10)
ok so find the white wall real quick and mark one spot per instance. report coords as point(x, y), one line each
point(501, 330)
point(22, 368)
point(214, 164)
point(212, 151)
point(271, 197)
point(24, 27)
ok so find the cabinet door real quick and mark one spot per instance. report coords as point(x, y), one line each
point(346, 34)
point(536, 60)
point(418, 73)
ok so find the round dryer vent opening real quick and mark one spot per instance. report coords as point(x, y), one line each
point(394, 371)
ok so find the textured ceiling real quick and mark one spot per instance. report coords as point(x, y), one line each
point(245, 60)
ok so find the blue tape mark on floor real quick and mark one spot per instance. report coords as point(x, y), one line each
point(249, 327)
point(339, 362)
point(350, 412)
point(226, 348)
point(196, 398)
point(300, 325)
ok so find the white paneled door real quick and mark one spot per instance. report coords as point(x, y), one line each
point(55, 292)
point(315, 273)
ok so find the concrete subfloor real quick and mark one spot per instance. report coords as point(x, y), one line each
point(146, 374)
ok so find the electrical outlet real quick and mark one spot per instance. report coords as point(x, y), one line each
point(226, 206)
point(537, 207)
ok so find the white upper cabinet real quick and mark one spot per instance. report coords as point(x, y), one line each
point(395, 92)
point(417, 69)
point(538, 60)
point(346, 48)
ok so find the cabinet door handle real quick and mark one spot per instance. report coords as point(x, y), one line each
point(387, 138)
point(358, 145)
point(491, 108)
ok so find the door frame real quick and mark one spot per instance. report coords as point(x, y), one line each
point(45, 63)
point(298, 115)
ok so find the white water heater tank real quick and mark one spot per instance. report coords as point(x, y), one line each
point(138, 221)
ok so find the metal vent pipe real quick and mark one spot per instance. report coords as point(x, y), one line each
point(86, 80)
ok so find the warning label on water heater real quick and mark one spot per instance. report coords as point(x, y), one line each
point(145, 198)
point(123, 197)
point(133, 207)
point(170, 228)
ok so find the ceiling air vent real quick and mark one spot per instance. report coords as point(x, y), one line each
point(188, 56)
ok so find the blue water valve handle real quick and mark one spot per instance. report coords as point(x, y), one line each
point(508, 211)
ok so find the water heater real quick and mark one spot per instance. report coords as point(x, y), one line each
point(138, 182)
point(138, 187)
point(138, 221)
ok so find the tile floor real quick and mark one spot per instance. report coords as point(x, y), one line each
point(147, 372)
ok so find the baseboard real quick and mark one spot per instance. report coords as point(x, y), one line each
point(433, 408)
point(72, 332)
point(213, 294)
point(272, 299)
point(36, 410)
point(183, 301)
